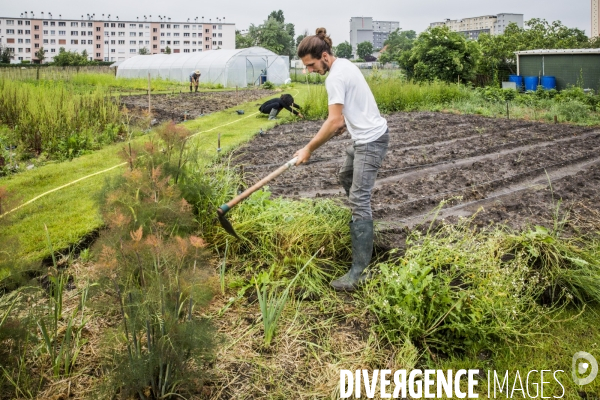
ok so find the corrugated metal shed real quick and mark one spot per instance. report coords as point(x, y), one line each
point(571, 67)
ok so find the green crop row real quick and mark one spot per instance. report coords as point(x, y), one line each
point(49, 118)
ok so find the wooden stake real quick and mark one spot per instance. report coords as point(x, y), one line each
point(149, 108)
point(507, 115)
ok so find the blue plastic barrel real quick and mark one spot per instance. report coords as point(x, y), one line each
point(548, 82)
point(531, 82)
point(517, 79)
point(263, 79)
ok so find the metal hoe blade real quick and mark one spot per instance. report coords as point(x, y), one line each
point(225, 223)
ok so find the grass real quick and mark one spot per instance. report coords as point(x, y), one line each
point(72, 213)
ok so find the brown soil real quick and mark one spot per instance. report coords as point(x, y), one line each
point(174, 106)
point(498, 167)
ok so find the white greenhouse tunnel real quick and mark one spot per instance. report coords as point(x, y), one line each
point(230, 68)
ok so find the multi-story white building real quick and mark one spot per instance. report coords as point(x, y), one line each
point(364, 29)
point(106, 40)
point(472, 27)
point(595, 18)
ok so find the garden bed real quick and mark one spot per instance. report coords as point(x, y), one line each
point(499, 167)
point(174, 107)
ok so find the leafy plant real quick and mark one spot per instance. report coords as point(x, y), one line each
point(272, 304)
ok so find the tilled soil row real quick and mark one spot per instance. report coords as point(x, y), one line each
point(180, 106)
point(499, 169)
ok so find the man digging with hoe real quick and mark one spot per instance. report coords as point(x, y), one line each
point(351, 105)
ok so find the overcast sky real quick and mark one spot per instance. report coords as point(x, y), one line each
point(333, 15)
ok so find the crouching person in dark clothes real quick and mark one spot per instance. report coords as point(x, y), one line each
point(273, 106)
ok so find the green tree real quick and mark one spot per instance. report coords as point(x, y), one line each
point(6, 54)
point(364, 49)
point(441, 54)
point(41, 55)
point(277, 15)
point(344, 50)
point(167, 50)
point(397, 43)
point(70, 58)
point(143, 51)
point(299, 39)
point(498, 52)
point(274, 34)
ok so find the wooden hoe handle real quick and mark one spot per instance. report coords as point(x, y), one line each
point(226, 207)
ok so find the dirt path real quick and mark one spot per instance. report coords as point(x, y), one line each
point(174, 106)
point(502, 166)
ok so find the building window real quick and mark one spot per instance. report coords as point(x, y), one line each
point(154, 29)
point(27, 32)
point(19, 22)
point(36, 36)
point(98, 37)
point(140, 25)
point(207, 30)
point(11, 40)
point(27, 50)
point(10, 22)
point(105, 25)
point(207, 46)
point(62, 41)
point(175, 50)
point(90, 42)
point(45, 32)
point(74, 33)
point(74, 41)
point(132, 34)
point(154, 37)
point(45, 41)
point(176, 42)
point(186, 50)
point(52, 50)
point(74, 24)
point(220, 35)
point(214, 27)
point(132, 42)
point(121, 25)
point(121, 42)
point(140, 33)
point(121, 33)
point(113, 25)
point(82, 33)
point(220, 43)
point(168, 26)
point(10, 31)
point(214, 35)
point(175, 26)
point(194, 34)
point(176, 34)
point(53, 23)
point(97, 55)
point(186, 42)
point(162, 42)
point(52, 41)
point(162, 25)
point(147, 42)
point(214, 43)
point(36, 27)
point(168, 33)
point(62, 33)
point(132, 26)
point(90, 33)
point(154, 46)
point(220, 26)
point(19, 31)
point(132, 50)
point(98, 46)
point(186, 27)
point(37, 45)
point(62, 24)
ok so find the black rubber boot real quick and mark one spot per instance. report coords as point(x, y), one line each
point(361, 233)
point(196, 89)
point(190, 89)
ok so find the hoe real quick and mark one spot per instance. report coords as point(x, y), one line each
point(221, 211)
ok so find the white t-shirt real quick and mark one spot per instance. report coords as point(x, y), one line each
point(346, 85)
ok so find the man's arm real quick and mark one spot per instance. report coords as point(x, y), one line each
point(333, 124)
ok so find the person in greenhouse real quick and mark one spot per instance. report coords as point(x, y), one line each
point(273, 106)
point(194, 79)
point(351, 105)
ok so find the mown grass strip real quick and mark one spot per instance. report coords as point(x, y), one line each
point(72, 212)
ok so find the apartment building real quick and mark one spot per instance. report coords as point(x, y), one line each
point(364, 29)
point(472, 27)
point(595, 18)
point(106, 40)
